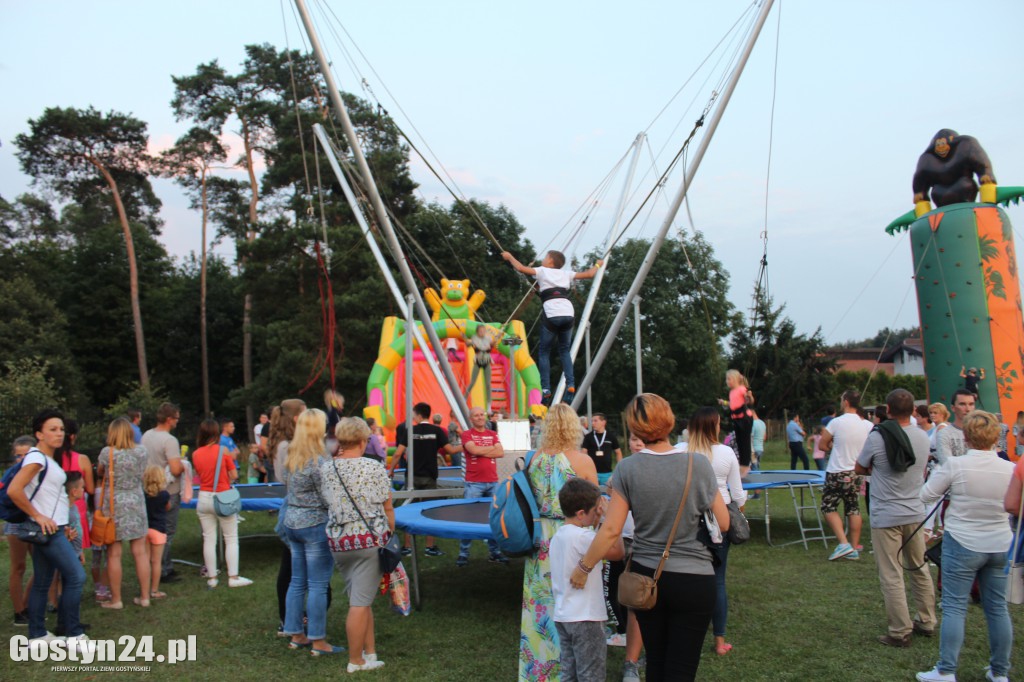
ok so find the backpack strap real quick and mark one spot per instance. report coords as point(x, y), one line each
point(42, 474)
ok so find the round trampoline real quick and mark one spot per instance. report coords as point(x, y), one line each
point(453, 519)
point(795, 481)
point(447, 477)
point(255, 496)
point(759, 480)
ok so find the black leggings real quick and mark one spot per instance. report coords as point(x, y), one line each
point(284, 577)
point(743, 424)
point(796, 450)
point(674, 630)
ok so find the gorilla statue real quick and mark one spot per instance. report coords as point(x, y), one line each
point(948, 168)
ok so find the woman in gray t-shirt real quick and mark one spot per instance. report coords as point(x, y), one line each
point(650, 483)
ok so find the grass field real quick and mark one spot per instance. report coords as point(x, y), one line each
point(793, 616)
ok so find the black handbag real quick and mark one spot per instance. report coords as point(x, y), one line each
point(388, 551)
point(31, 532)
point(932, 553)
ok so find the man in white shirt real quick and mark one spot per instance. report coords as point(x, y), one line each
point(949, 442)
point(845, 436)
point(557, 317)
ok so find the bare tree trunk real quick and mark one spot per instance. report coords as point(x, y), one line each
point(133, 272)
point(202, 308)
point(247, 314)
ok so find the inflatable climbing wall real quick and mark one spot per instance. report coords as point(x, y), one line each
point(968, 297)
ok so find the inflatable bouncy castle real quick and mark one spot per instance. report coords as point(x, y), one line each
point(454, 320)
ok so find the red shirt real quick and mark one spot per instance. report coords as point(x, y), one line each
point(480, 469)
point(204, 460)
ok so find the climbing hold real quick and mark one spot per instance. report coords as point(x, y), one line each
point(952, 294)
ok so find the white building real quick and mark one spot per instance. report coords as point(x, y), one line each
point(907, 358)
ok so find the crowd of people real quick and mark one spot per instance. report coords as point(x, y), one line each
point(665, 513)
point(913, 459)
point(136, 491)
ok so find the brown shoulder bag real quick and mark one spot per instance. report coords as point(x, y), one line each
point(103, 531)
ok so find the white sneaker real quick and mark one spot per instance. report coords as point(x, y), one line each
point(994, 678)
point(934, 675)
point(368, 665)
point(239, 582)
point(212, 583)
point(80, 642)
point(48, 637)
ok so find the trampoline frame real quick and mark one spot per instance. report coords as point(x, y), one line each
point(805, 487)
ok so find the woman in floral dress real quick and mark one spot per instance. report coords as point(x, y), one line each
point(556, 461)
point(130, 519)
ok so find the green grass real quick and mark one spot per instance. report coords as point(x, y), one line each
point(793, 616)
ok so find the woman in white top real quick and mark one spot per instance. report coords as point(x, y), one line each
point(974, 546)
point(38, 490)
point(704, 430)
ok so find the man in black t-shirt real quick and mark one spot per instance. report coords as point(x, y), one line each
point(427, 440)
point(603, 447)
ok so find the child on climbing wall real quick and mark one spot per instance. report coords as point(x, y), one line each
point(558, 316)
point(971, 378)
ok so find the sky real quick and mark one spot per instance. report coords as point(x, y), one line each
point(533, 104)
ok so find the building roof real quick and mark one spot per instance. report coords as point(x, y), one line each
point(911, 346)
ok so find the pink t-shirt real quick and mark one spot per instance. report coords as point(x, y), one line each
point(818, 452)
point(480, 469)
point(738, 400)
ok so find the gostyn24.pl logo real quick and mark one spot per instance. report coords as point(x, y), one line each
point(126, 649)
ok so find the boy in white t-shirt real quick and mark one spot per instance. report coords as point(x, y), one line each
point(579, 615)
point(558, 316)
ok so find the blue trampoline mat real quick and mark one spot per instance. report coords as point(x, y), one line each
point(454, 519)
point(255, 496)
point(776, 478)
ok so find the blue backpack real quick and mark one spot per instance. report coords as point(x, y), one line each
point(8, 510)
point(514, 517)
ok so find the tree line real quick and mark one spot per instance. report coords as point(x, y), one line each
point(96, 316)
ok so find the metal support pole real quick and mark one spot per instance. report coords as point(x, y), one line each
point(639, 347)
point(590, 402)
point(595, 287)
point(383, 220)
point(659, 239)
point(435, 369)
point(410, 321)
point(513, 342)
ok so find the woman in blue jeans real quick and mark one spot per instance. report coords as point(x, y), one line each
point(704, 429)
point(305, 524)
point(38, 490)
point(974, 546)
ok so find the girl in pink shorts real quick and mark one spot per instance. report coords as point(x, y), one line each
point(158, 501)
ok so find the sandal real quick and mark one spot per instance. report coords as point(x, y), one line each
point(139, 601)
point(112, 605)
point(158, 595)
point(300, 645)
